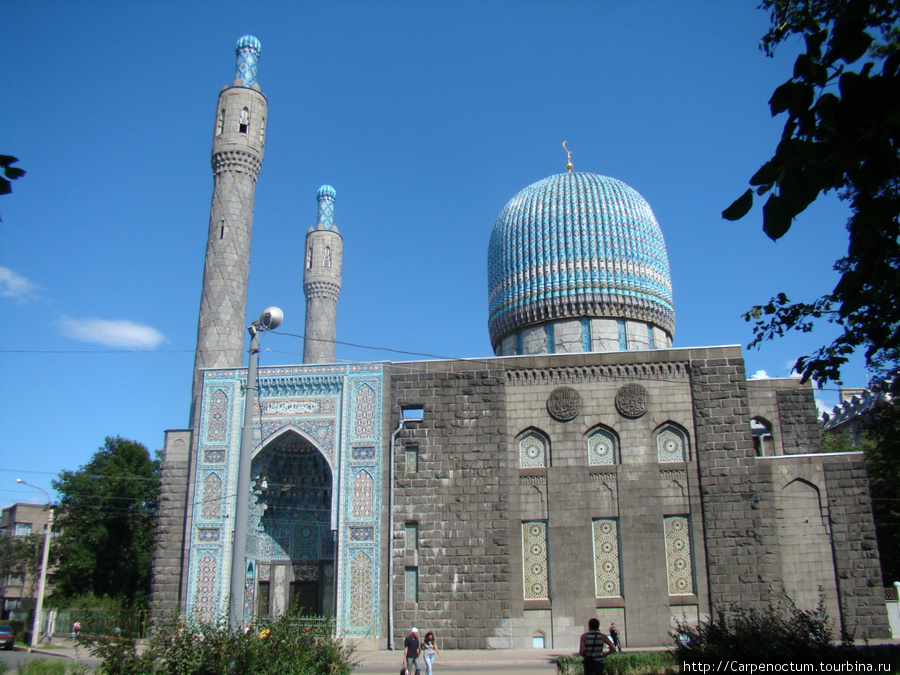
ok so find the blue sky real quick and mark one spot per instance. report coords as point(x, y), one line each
point(426, 118)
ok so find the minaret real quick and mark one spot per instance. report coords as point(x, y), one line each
point(322, 281)
point(237, 152)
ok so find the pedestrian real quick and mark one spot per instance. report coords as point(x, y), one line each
point(591, 648)
point(411, 652)
point(76, 630)
point(614, 634)
point(430, 650)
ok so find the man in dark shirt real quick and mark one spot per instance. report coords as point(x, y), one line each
point(411, 652)
point(591, 648)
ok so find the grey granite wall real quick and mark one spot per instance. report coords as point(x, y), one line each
point(857, 567)
point(799, 426)
point(165, 589)
point(458, 498)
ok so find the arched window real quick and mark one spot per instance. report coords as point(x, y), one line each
point(763, 440)
point(245, 121)
point(220, 123)
point(534, 451)
point(671, 444)
point(602, 448)
point(309, 258)
point(327, 256)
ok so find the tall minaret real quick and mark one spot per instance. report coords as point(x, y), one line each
point(322, 281)
point(237, 153)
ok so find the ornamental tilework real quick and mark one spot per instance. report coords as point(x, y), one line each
point(207, 570)
point(364, 424)
point(535, 560)
point(360, 611)
point(248, 49)
point(212, 497)
point(678, 555)
point(607, 573)
point(330, 412)
point(670, 446)
point(577, 243)
point(532, 451)
point(601, 448)
point(362, 496)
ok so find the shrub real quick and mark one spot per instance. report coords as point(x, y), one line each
point(41, 667)
point(782, 633)
point(286, 646)
point(630, 663)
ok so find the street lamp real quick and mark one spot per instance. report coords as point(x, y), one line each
point(35, 630)
point(270, 319)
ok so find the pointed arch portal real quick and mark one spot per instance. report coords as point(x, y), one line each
point(292, 543)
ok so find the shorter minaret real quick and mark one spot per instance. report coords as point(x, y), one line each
point(322, 281)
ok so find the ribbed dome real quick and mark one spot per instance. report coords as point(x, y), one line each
point(577, 245)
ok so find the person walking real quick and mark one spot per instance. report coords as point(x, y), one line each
point(614, 634)
point(411, 652)
point(591, 648)
point(430, 650)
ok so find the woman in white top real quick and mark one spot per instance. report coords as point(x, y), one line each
point(429, 649)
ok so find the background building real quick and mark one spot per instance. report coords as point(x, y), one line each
point(19, 591)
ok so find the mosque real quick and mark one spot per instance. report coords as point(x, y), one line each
point(588, 469)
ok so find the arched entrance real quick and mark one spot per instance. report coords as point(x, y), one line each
point(291, 539)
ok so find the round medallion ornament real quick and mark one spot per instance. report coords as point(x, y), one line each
point(631, 401)
point(564, 404)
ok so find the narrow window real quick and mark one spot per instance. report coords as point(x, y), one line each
point(412, 536)
point(327, 261)
point(222, 230)
point(262, 130)
point(650, 341)
point(411, 584)
point(412, 459)
point(607, 567)
point(245, 121)
point(623, 335)
point(220, 123)
point(679, 556)
point(535, 560)
point(309, 258)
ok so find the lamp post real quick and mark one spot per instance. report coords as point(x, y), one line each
point(35, 630)
point(270, 319)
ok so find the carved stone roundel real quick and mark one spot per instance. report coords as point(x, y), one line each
point(564, 404)
point(631, 401)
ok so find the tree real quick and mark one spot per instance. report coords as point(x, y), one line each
point(107, 516)
point(8, 173)
point(21, 557)
point(842, 135)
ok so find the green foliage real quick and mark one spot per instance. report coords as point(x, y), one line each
point(783, 633)
point(21, 557)
point(107, 516)
point(841, 135)
point(4, 667)
point(179, 647)
point(42, 667)
point(622, 663)
point(8, 173)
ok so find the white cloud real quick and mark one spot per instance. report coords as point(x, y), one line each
point(15, 286)
point(760, 375)
point(117, 333)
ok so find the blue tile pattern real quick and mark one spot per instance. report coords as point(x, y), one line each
point(248, 49)
point(577, 244)
point(325, 196)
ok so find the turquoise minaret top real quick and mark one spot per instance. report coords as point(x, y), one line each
point(248, 49)
point(325, 196)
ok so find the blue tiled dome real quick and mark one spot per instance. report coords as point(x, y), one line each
point(577, 245)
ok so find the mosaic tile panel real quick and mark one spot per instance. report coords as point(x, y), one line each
point(206, 602)
point(248, 49)
point(212, 497)
point(362, 496)
point(670, 446)
point(362, 454)
point(607, 572)
point(532, 451)
point(361, 583)
point(364, 425)
point(679, 566)
point(217, 419)
point(535, 560)
point(601, 447)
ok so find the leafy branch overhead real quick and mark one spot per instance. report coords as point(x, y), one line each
point(841, 135)
point(8, 173)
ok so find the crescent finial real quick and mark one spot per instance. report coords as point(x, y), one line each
point(568, 157)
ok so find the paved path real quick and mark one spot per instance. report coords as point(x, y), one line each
point(471, 661)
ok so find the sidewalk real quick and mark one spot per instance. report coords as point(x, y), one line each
point(471, 661)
